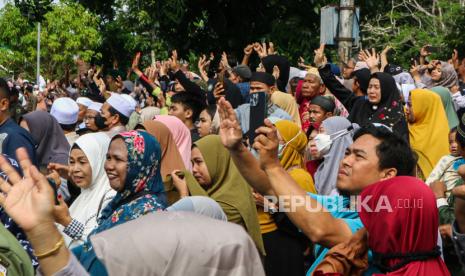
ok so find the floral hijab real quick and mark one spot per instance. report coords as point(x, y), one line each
point(143, 191)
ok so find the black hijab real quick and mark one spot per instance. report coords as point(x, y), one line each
point(284, 68)
point(388, 111)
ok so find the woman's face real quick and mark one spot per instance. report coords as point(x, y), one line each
point(409, 111)
point(204, 124)
point(374, 91)
point(199, 168)
point(89, 119)
point(80, 170)
point(436, 73)
point(116, 165)
point(314, 153)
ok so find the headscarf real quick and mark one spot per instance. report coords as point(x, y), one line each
point(181, 135)
point(143, 189)
point(51, 141)
point(148, 113)
point(92, 199)
point(178, 243)
point(388, 111)
point(170, 158)
point(397, 228)
point(448, 78)
point(228, 187)
point(287, 103)
point(293, 154)
point(429, 133)
point(284, 68)
point(326, 174)
point(448, 105)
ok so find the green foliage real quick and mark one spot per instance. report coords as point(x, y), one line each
point(69, 30)
point(407, 28)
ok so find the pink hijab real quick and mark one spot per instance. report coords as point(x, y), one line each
point(181, 136)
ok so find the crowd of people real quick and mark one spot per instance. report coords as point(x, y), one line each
point(358, 168)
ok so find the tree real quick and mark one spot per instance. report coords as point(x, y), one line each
point(68, 31)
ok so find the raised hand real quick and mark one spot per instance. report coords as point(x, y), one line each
point(276, 72)
point(179, 183)
point(174, 64)
point(230, 128)
point(224, 60)
point(320, 58)
point(28, 200)
point(271, 50)
point(218, 91)
point(371, 59)
point(61, 213)
point(266, 144)
point(424, 52)
point(135, 62)
point(248, 49)
point(301, 63)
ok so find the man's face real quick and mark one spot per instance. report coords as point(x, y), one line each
point(110, 120)
point(311, 86)
point(348, 69)
point(82, 112)
point(234, 78)
point(178, 110)
point(256, 86)
point(317, 114)
point(360, 166)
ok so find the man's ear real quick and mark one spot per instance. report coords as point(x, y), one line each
point(188, 113)
point(388, 173)
point(322, 89)
point(4, 104)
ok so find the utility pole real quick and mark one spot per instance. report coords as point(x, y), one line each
point(346, 21)
point(38, 55)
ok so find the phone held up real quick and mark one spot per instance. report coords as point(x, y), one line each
point(258, 113)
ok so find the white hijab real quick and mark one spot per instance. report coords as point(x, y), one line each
point(93, 199)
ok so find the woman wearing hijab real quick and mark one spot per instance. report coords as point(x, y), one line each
point(335, 135)
point(382, 105)
point(448, 105)
point(441, 74)
point(52, 146)
point(170, 158)
point(86, 169)
point(402, 237)
point(428, 128)
point(284, 244)
point(287, 103)
point(215, 175)
point(133, 168)
point(410, 231)
point(181, 135)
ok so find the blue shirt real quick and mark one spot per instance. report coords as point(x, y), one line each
point(245, 89)
point(338, 207)
point(12, 137)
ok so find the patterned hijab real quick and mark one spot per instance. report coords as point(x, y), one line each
point(143, 190)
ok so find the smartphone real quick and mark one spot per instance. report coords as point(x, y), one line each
point(258, 113)
point(55, 190)
point(221, 79)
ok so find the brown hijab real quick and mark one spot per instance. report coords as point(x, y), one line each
point(170, 157)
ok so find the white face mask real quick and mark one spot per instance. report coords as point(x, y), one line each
point(323, 141)
point(281, 148)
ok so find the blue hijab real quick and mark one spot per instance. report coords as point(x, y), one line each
point(143, 193)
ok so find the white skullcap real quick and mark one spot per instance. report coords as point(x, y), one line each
point(65, 111)
point(84, 101)
point(95, 106)
point(124, 104)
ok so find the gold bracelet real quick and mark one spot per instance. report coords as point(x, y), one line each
point(53, 250)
